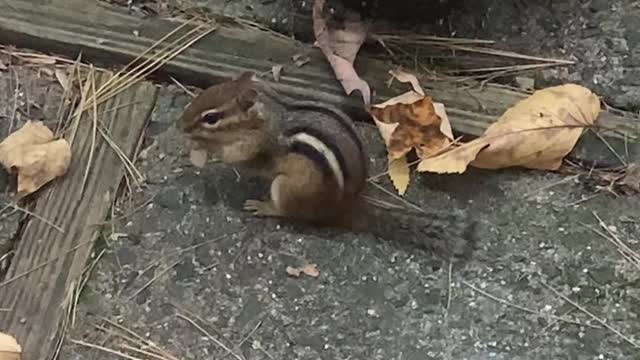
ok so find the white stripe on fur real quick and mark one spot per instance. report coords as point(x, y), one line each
point(325, 151)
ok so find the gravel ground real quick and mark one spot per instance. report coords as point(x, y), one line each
point(184, 249)
point(372, 299)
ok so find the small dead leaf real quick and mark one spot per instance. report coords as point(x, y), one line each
point(37, 159)
point(9, 348)
point(537, 133)
point(399, 173)
point(309, 270)
point(198, 157)
point(417, 126)
point(340, 44)
point(406, 77)
point(411, 121)
point(2, 66)
point(63, 79)
point(276, 70)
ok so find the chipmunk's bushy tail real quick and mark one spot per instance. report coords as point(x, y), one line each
point(452, 236)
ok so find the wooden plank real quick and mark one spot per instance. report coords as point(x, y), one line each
point(48, 263)
point(109, 35)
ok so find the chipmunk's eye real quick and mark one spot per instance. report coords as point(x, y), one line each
point(212, 117)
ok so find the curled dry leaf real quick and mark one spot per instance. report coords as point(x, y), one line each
point(340, 44)
point(411, 121)
point(37, 158)
point(537, 133)
point(309, 270)
point(9, 348)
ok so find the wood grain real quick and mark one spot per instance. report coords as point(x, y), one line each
point(48, 263)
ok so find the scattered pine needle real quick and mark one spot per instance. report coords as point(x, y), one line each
point(211, 337)
point(525, 309)
point(623, 249)
point(396, 44)
point(127, 343)
point(43, 264)
point(156, 277)
point(626, 338)
point(36, 216)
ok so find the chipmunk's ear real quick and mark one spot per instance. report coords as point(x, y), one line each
point(246, 76)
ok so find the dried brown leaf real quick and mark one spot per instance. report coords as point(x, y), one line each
point(538, 132)
point(37, 159)
point(340, 45)
point(454, 161)
point(309, 270)
point(9, 348)
point(418, 126)
point(405, 77)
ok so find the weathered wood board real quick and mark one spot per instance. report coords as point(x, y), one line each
point(110, 35)
point(48, 263)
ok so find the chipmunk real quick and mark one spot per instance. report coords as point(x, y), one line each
point(315, 160)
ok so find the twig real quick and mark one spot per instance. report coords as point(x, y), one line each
point(16, 207)
point(249, 335)
point(613, 151)
point(156, 277)
point(522, 308)
point(449, 286)
point(624, 250)
point(43, 264)
point(216, 341)
point(600, 321)
point(553, 184)
point(183, 87)
point(105, 349)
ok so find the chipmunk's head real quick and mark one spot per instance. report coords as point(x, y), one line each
point(227, 120)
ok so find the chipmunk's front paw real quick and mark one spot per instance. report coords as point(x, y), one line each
point(261, 208)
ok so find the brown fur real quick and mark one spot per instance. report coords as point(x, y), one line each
point(248, 136)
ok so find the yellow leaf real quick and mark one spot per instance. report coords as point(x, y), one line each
point(454, 161)
point(539, 131)
point(9, 348)
point(399, 174)
point(36, 158)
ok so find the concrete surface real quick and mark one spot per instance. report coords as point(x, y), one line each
point(372, 299)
